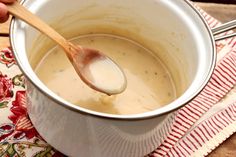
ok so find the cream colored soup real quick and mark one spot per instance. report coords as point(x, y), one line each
point(149, 84)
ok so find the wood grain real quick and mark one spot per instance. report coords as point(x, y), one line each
point(4, 28)
point(222, 12)
point(4, 42)
point(217, 1)
point(226, 149)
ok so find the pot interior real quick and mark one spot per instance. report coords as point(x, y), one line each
point(171, 30)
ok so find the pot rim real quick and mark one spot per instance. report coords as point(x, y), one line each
point(139, 116)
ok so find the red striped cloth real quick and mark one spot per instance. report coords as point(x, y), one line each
point(181, 137)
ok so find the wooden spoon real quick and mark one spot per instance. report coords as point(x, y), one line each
point(94, 68)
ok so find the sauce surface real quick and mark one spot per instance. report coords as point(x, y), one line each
point(149, 84)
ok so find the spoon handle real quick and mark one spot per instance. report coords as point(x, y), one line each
point(22, 13)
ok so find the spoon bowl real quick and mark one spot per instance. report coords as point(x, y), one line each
point(95, 69)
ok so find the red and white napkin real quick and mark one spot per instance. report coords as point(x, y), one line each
point(201, 125)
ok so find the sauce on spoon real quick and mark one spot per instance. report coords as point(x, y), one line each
point(105, 74)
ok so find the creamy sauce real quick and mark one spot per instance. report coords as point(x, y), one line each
point(149, 84)
point(105, 70)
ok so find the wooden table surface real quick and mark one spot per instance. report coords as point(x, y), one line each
point(221, 12)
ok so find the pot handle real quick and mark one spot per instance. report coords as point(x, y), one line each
point(223, 28)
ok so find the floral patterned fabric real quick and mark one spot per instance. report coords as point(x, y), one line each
point(18, 137)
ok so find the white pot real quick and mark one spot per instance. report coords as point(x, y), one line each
point(173, 28)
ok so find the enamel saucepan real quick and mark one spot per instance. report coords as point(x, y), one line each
point(172, 29)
